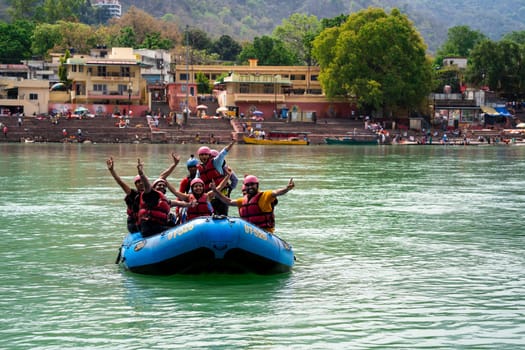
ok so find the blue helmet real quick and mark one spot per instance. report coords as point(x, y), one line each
point(192, 162)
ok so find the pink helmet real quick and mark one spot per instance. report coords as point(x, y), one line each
point(137, 178)
point(157, 181)
point(204, 150)
point(196, 181)
point(214, 153)
point(250, 179)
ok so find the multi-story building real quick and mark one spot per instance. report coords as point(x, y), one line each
point(109, 8)
point(274, 90)
point(23, 97)
point(109, 82)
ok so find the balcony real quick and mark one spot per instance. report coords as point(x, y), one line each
point(240, 97)
point(111, 95)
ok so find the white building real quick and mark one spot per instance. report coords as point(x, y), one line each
point(112, 7)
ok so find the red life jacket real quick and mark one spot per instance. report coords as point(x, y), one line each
point(251, 212)
point(158, 213)
point(184, 185)
point(208, 173)
point(201, 209)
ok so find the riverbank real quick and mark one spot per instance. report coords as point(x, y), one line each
point(217, 131)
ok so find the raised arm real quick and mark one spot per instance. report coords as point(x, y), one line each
point(178, 194)
point(224, 181)
point(176, 159)
point(284, 190)
point(221, 197)
point(143, 177)
point(111, 168)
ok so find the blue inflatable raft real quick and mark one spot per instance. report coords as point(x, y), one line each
point(208, 244)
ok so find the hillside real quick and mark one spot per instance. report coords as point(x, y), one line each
point(245, 19)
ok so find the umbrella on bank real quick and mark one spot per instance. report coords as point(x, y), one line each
point(521, 125)
point(221, 109)
point(58, 87)
point(202, 107)
point(258, 113)
point(81, 109)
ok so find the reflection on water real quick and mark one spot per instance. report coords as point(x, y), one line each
point(397, 247)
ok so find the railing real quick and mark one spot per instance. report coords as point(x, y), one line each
point(259, 97)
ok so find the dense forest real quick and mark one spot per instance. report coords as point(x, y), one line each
point(246, 19)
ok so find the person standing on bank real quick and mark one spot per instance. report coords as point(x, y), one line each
point(256, 207)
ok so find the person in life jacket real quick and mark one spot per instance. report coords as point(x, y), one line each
point(203, 207)
point(191, 164)
point(210, 168)
point(198, 199)
point(256, 207)
point(132, 194)
point(218, 206)
point(154, 207)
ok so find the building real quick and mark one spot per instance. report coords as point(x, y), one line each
point(458, 62)
point(156, 72)
point(107, 83)
point(108, 8)
point(274, 90)
point(23, 97)
point(15, 71)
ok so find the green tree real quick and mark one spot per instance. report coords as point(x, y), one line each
point(127, 37)
point(515, 36)
point(52, 11)
point(62, 69)
point(460, 40)
point(16, 41)
point(498, 65)
point(378, 58)
point(227, 48)
point(23, 9)
point(203, 83)
point(154, 41)
point(198, 39)
point(45, 37)
point(269, 52)
point(334, 22)
point(297, 33)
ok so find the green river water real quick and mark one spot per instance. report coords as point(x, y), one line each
point(398, 247)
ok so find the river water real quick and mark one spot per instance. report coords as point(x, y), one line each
point(397, 247)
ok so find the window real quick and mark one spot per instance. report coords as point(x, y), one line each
point(314, 78)
point(183, 76)
point(101, 71)
point(244, 88)
point(468, 115)
point(268, 88)
point(33, 96)
point(297, 77)
point(124, 71)
point(100, 88)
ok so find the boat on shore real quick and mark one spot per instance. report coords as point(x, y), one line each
point(279, 138)
point(207, 245)
point(346, 140)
